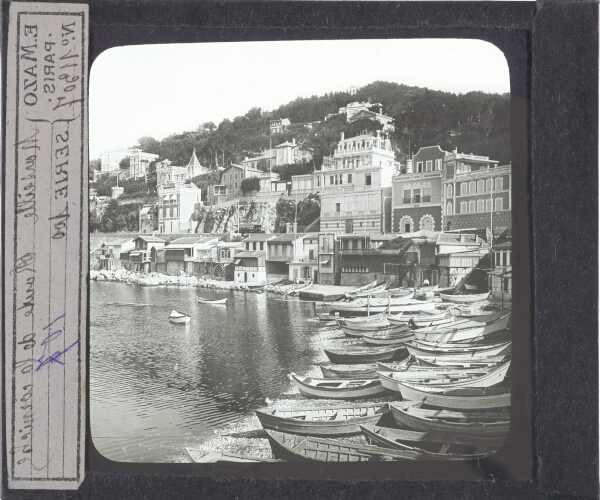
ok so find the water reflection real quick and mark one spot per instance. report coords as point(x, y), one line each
point(154, 384)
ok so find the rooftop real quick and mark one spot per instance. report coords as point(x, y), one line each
point(250, 253)
point(150, 238)
point(260, 237)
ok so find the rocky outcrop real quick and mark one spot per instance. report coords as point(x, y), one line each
point(226, 217)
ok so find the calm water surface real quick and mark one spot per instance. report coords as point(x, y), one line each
point(154, 385)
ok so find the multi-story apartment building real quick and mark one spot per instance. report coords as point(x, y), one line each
point(250, 263)
point(477, 193)
point(357, 185)
point(140, 161)
point(177, 195)
point(110, 160)
point(417, 192)
point(290, 152)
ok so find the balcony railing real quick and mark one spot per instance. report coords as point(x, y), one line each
point(279, 258)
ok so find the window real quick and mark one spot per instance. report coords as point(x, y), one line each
point(235, 176)
point(428, 165)
point(463, 207)
point(349, 178)
point(419, 166)
point(337, 208)
point(230, 176)
point(341, 177)
point(464, 188)
point(406, 198)
point(262, 245)
point(407, 227)
point(449, 209)
point(295, 152)
point(438, 164)
point(373, 224)
point(247, 245)
point(449, 190)
point(499, 184)
point(254, 245)
point(472, 206)
point(416, 196)
point(488, 185)
point(426, 195)
point(368, 179)
point(235, 185)
point(171, 212)
point(427, 224)
point(499, 203)
point(488, 205)
point(480, 205)
point(331, 180)
point(472, 188)
point(481, 186)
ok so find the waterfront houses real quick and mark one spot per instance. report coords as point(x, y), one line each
point(111, 257)
point(328, 257)
point(405, 260)
point(357, 185)
point(250, 263)
point(144, 255)
point(458, 254)
point(180, 254)
point(417, 193)
point(500, 277)
point(293, 256)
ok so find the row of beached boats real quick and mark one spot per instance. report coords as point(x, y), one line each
point(446, 386)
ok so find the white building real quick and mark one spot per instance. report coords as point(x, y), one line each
point(139, 162)
point(357, 185)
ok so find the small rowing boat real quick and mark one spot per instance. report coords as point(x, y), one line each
point(463, 350)
point(465, 329)
point(327, 388)
point(349, 371)
point(385, 437)
point(475, 424)
point(328, 421)
point(381, 330)
point(206, 301)
point(457, 399)
point(358, 355)
point(389, 379)
point(179, 318)
point(462, 299)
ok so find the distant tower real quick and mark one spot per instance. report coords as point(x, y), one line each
point(193, 166)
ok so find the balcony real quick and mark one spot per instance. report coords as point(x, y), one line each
point(304, 260)
point(279, 258)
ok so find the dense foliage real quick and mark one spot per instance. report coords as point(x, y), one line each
point(250, 184)
point(116, 218)
point(475, 122)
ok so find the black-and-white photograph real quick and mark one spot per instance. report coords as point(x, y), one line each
point(301, 251)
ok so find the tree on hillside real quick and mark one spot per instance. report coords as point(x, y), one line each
point(250, 184)
point(149, 145)
point(125, 163)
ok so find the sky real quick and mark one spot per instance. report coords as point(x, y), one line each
point(159, 90)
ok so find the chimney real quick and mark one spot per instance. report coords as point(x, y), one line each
point(455, 151)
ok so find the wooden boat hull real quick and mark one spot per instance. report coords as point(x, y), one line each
point(388, 340)
point(383, 330)
point(401, 435)
point(464, 334)
point(179, 318)
point(362, 319)
point(465, 399)
point(200, 456)
point(464, 299)
point(396, 439)
point(466, 352)
point(330, 421)
point(363, 355)
point(415, 306)
point(484, 429)
point(389, 379)
point(338, 389)
point(309, 449)
point(326, 316)
point(350, 371)
point(205, 301)
point(493, 377)
point(367, 327)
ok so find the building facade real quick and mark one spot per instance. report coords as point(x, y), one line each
point(327, 254)
point(139, 162)
point(357, 185)
point(417, 193)
point(147, 222)
point(110, 160)
point(477, 193)
point(278, 125)
point(143, 256)
point(250, 263)
point(290, 152)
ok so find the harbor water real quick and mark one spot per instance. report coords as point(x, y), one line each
point(157, 387)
